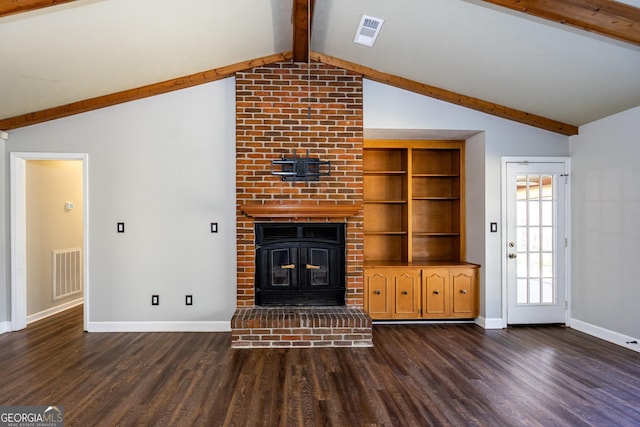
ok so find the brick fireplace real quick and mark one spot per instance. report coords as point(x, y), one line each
point(281, 110)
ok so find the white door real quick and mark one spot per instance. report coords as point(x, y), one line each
point(536, 242)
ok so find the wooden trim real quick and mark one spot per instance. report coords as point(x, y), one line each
point(228, 71)
point(11, 7)
point(448, 96)
point(297, 210)
point(412, 143)
point(605, 17)
point(138, 93)
point(302, 18)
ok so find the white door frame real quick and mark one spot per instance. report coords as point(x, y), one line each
point(503, 238)
point(18, 165)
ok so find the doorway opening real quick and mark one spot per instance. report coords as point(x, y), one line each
point(49, 235)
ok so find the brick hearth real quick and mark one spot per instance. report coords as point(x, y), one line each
point(301, 327)
point(314, 108)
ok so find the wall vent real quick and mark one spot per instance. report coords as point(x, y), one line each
point(66, 272)
point(368, 30)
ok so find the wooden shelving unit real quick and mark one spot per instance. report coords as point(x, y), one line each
point(414, 204)
point(386, 202)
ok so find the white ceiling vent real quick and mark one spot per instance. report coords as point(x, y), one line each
point(368, 30)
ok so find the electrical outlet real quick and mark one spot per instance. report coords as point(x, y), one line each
point(155, 299)
point(120, 227)
point(188, 299)
point(214, 227)
point(494, 227)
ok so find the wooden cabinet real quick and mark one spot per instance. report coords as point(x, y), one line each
point(449, 292)
point(414, 231)
point(432, 292)
point(463, 284)
point(378, 292)
point(435, 295)
point(406, 293)
point(392, 294)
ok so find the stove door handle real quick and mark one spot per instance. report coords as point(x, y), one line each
point(313, 267)
point(288, 266)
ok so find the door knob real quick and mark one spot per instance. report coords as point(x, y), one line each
point(377, 292)
point(512, 255)
point(288, 266)
point(405, 293)
point(436, 292)
point(313, 267)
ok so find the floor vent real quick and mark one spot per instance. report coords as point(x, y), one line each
point(66, 272)
point(368, 30)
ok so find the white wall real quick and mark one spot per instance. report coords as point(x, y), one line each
point(475, 207)
point(606, 223)
point(166, 167)
point(386, 107)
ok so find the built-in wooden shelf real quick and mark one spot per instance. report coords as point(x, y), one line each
point(297, 210)
point(414, 232)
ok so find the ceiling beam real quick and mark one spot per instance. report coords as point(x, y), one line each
point(11, 7)
point(451, 97)
point(302, 18)
point(605, 17)
point(228, 71)
point(138, 93)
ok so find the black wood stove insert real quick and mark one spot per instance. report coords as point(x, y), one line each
point(300, 264)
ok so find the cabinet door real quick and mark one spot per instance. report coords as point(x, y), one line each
point(463, 293)
point(378, 296)
point(435, 293)
point(407, 294)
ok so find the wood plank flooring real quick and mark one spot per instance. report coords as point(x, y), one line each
point(416, 375)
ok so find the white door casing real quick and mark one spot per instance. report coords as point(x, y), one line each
point(18, 161)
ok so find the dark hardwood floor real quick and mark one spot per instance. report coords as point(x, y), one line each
point(416, 375)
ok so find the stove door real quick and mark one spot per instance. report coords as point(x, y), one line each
point(278, 267)
point(321, 266)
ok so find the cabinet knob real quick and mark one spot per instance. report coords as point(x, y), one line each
point(377, 292)
point(436, 293)
point(463, 291)
point(405, 293)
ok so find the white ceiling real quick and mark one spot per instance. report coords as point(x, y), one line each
point(90, 48)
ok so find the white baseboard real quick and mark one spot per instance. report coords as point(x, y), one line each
point(54, 310)
point(161, 326)
point(606, 334)
point(5, 327)
point(491, 323)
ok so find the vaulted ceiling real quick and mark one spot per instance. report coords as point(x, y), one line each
point(556, 65)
